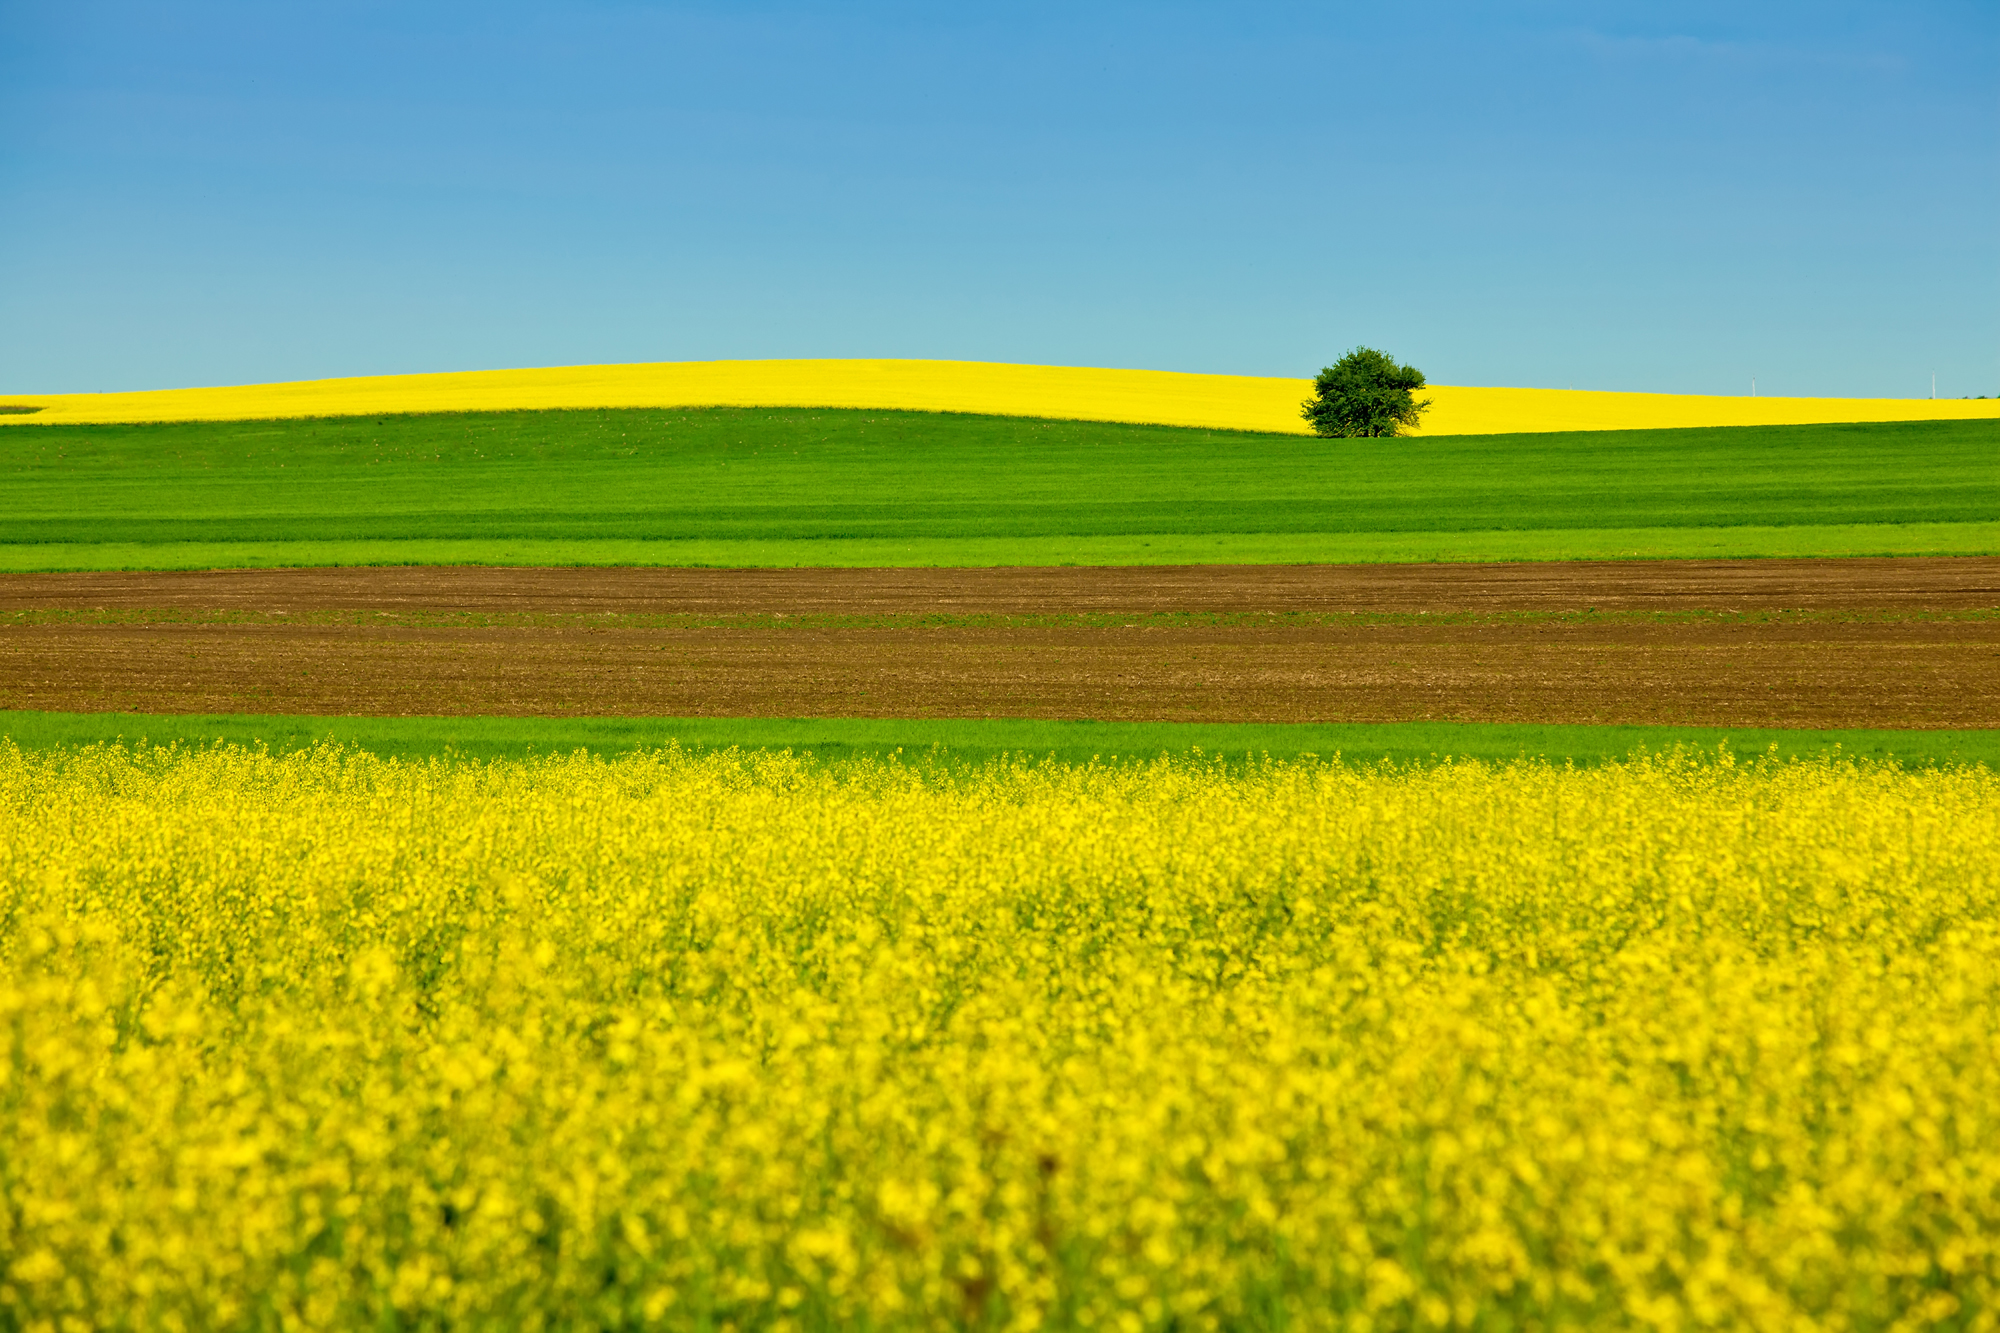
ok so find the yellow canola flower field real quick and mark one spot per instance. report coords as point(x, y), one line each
point(1231, 402)
point(746, 1042)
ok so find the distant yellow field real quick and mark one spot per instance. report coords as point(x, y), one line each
point(1239, 402)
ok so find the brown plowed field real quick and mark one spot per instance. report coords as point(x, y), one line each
point(1877, 643)
point(1957, 583)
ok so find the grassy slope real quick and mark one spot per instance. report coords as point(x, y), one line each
point(492, 737)
point(737, 485)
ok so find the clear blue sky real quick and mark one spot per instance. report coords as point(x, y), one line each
point(1616, 196)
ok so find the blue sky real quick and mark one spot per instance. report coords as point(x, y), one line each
point(1670, 197)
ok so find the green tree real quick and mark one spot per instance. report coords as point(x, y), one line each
point(1365, 393)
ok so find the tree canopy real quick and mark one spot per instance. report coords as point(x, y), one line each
point(1365, 393)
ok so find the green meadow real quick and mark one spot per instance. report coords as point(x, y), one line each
point(730, 486)
point(981, 740)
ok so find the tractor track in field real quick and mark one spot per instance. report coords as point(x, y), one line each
point(1881, 643)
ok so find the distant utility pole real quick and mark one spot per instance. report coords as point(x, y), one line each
point(1933, 386)
point(1753, 386)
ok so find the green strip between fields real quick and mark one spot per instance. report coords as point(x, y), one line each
point(974, 740)
point(1852, 539)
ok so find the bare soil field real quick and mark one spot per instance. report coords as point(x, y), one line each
point(1860, 643)
point(1943, 583)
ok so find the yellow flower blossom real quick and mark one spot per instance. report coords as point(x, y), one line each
point(753, 1041)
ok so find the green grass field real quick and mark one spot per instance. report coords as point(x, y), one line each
point(979, 740)
point(797, 487)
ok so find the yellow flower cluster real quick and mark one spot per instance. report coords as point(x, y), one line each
point(1086, 393)
point(748, 1041)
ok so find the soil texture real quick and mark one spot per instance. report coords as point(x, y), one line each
point(1943, 583)
point(1882, 643)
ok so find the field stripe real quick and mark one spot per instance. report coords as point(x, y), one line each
point(1234, 402)
point(1803, 540)
point(980, 739)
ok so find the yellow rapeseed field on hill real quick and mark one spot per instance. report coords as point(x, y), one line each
point(743, 1042)
point(1235, 402)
